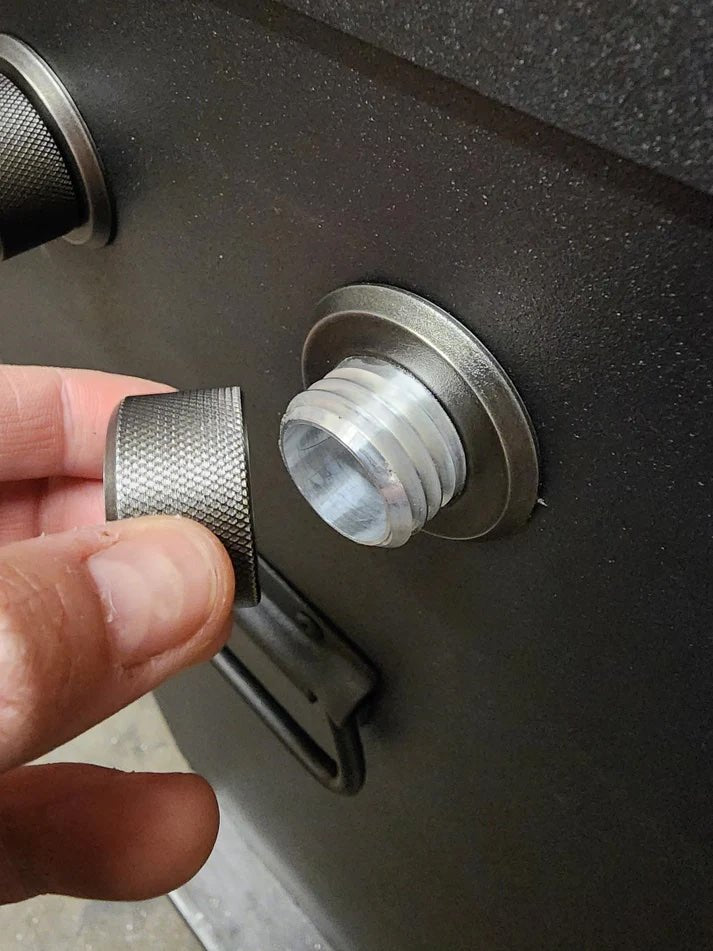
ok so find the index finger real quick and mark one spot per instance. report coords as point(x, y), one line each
point(53, 421)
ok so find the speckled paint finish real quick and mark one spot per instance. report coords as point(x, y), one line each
point(634, 76)
point(538, 767)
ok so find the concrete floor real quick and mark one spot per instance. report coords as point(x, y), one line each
point(135, 739)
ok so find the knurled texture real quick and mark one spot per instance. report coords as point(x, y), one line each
point(186, 454)
point(37, 197)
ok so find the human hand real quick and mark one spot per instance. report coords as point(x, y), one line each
point(90, 619)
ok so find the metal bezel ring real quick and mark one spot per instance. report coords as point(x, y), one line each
point(49, 96)
point(497, 433)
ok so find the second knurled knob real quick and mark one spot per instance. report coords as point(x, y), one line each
point(51, 180)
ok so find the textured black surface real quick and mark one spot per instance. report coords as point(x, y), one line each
point(539, 767)
point(634, 76)
point(37, 196)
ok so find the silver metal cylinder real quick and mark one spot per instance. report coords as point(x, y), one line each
point(186, 453)
point(372, 451)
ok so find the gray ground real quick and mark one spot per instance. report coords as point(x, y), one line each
point(136, 738)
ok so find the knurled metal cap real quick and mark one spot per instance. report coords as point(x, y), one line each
point(52, 181)
point(186, 453)
point(38, 200)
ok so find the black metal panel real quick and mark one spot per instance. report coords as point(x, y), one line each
point(538, 766)
point(633, 76)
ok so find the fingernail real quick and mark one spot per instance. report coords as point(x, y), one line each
point(157, 587)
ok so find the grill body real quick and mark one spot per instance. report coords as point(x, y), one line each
point(537, 762)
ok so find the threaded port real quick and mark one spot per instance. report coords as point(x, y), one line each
point(372, 451)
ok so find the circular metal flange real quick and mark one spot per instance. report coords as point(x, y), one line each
point(498, 437)
point(49, 96)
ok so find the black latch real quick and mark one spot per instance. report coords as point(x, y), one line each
point(320, 662)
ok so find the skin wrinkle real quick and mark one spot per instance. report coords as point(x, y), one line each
point(13, 701)
point(19, 677)
point(16, 510)
point(82, 500)
point(29, 509)
point(15, 390)
point(68, 415)
point(113, 663)
point(69, 658)
point(110, 539)
point(17, 682)
point(52, 421)
point(17, 382)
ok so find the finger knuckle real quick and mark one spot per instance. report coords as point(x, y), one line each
point(25, 653)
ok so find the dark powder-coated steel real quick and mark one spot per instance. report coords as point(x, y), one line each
point(633, 76)
point(539, 767)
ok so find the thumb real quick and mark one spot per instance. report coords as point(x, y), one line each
point(94, 618)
